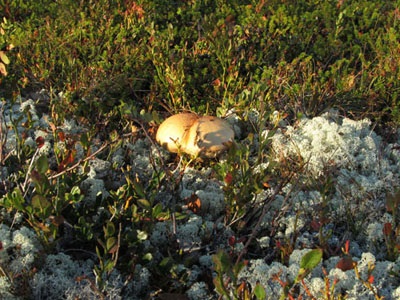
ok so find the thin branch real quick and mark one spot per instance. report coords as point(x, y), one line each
point(118, 243)
point(28, 172)
point(263, 213)
point(80, 162)
point(152, 142)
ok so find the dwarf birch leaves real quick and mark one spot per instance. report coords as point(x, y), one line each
point(308, 262)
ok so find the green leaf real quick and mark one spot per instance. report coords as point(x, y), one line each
point(108, 265)
point(222, 262)
point(148, 256)
point(259, 292)
point(142, 235)
point(111, 242)
point(166, 262)
point(75, 190)
point(311, 259)
point(15, 200)
point(110, 229)
point(164, 215)
point(308, 262)
point(134, 209)
point(157, 209)
point(85, 140)
point(42, 164)
point(40, 202)
point(180, 216)
point(143, 203)
point(219, 284)
point(139, 189)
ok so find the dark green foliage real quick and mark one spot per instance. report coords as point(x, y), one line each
point(199, 55)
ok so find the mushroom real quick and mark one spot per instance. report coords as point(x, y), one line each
point(171, 132)
point(208, 136)
point(198, 136)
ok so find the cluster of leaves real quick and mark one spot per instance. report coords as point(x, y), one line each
point(47, 190)
point(228, 283)
point(4, 60)
point(201, 55)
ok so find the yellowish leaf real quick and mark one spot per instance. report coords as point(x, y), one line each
point(3, 70)
point(4, 57)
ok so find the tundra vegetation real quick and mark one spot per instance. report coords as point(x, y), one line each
point(303, 205)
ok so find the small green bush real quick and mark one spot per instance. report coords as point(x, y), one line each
point(311, 55)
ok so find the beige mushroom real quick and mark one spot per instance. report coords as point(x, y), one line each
point(208, 136)
point(198, 136)
point(173, 129)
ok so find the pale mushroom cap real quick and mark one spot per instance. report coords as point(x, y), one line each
point(208, 136)
point(171, 131)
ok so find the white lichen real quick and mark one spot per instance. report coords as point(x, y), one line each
point(5, 288)
point(26, 248)
point(340, 143)
point(19, 248)
point(209, 191)
point(198, 291)
point(93, 189)
point(375, 232)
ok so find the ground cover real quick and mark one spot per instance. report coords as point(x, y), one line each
point(305, 203)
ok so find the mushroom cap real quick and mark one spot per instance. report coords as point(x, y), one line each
point(171, 132)
point(208, 136)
